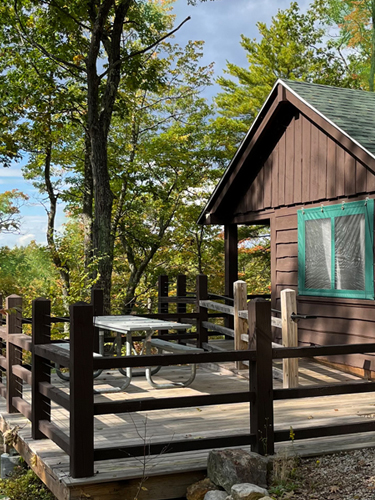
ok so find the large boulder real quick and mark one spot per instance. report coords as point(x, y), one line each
point(247, 492)
point(216, 495)
point(228, 467)
point(197, 491)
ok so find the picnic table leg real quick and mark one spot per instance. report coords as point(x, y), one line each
point(150, 373)
point(128, 371)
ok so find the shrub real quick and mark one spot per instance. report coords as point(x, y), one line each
point(23, 484)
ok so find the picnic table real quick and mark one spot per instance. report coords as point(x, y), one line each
point(127, 325)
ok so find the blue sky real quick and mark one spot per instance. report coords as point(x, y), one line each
point(220, 24)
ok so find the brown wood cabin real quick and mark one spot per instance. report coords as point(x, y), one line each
point(307, 168)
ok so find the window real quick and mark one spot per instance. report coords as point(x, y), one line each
point(335, 250)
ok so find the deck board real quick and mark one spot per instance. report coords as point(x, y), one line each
point(189, 423)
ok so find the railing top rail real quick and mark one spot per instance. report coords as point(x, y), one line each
point(220, 297)
point(328, 350)
point(216, 306)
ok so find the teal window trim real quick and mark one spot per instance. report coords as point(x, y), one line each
point(365, 207)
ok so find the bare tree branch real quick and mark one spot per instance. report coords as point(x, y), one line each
point(146, 49)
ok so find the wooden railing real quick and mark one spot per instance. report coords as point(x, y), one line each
point(260, 393)
point(240, 332)
point(82, 408)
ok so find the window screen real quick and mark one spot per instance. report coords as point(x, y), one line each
point(335, 250)
point(350, 252)
point(318, 253)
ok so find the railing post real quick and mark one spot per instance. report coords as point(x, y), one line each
point(2, 343)
point(202, 294)
point(231, 263)
point(97, 300)
point(14, 354)
point(41, 368)
point(81, 390)
point(240, 324)
point(260, 377)
point(289, 336)
point(163, 288)
point(181, 292)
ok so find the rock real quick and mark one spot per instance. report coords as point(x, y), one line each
point(198, 490)
point(248, 492)
point(216, 495)
point(228, 467)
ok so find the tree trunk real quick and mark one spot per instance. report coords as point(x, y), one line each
point(102, 236)
point(63, 270)
point(87, 203)
point(99, 115)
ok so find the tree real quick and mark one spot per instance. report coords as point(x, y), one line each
point(28, 271)
point(157, 160)
point(355, 20)
point(292, 47)
point(92, 47)
point(10, 216)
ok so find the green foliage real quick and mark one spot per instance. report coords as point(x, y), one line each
point(292, 47)
point(354, 21)
point(24, 485)
point(29, 272)
point(70, 249)
point(10, 204)
point(254, 259)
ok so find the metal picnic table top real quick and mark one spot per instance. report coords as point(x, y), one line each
point(129, 323)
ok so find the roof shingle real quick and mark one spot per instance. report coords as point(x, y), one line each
point(353, 111)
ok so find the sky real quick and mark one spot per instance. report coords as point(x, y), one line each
point(220, 24)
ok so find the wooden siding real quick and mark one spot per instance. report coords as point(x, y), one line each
point(305, 166)
point(339, 321)
point(308, 167)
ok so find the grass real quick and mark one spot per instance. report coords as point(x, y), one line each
point(285, 476)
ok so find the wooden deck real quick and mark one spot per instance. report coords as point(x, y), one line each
point(169, 474)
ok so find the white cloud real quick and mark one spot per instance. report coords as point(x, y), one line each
point(26, 238)
point(10, 172)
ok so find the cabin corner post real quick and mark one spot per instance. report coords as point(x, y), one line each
point(97, 301)
point(231, 263)
point(202, 294)
point(13, 304)
point(260, 377)
point(240, 324)
point(289, 330)
point(81, 390)
point(41, 369)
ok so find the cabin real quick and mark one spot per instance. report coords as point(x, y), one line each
point(307, 168)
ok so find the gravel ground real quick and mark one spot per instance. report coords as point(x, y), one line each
point(342, 476)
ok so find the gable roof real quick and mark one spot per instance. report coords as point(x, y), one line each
point(350, 112)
